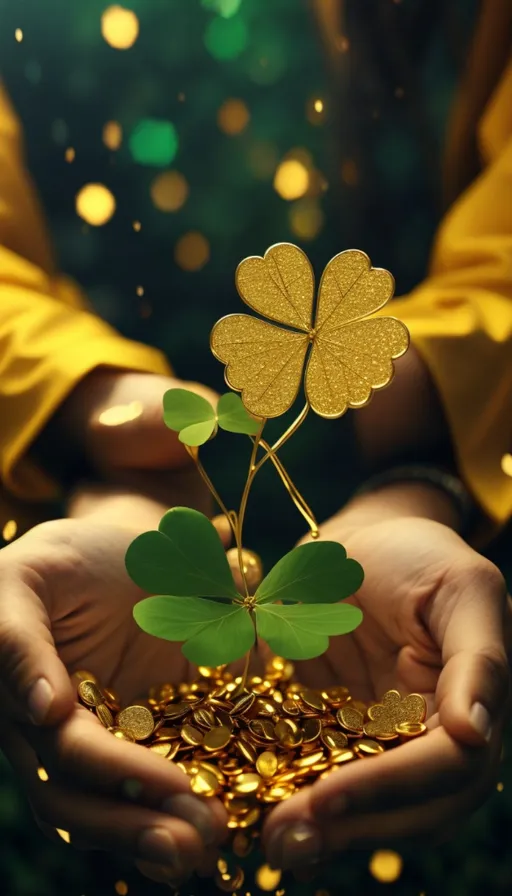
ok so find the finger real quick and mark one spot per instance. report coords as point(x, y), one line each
point(83, 754)
point(31, 673)
point(473, 688)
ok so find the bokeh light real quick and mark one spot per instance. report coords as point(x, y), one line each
point(386, 865)
point(306, 219)
point(316, 111)
point(291, 179)
point(112, 135)
point(42, 774)
point(192, 251)
point(226, 38)
point(121, 887)
point(119, 27)
point(169, 191)
point(233, 117)
point(95, 204)
point(137, 226)
point(64, 835)
point(18, 35)
point(267, 878)
point(9, 530)
point(70, 154)
point(506, 464)
point(154, 142)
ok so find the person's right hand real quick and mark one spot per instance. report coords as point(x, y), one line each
point(66, 604)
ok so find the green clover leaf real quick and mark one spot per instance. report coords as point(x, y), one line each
point(214, 633)
point(318, 572)
point(301, 632)
point(185, 557)
point(196, 420)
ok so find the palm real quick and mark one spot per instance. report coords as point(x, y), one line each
point(404, 561)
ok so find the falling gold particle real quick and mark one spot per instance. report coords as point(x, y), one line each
point(65, 835)
point(9, 531)
point(119, 27)
point(140, 290)
point(291, 179)
point(499, 786)
point(233, 117)
point(506, 464)
point(268, 878)
point(386, 865)
point(42, 774)
point(18, 34)
point(192, 251)
point(112, 135)
point(169, 191)
point(121, 887)
point(70, 154)
point(95, 204)
point(121, 413)
point(306, 219)
point(137, 226)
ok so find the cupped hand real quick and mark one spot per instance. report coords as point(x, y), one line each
point(66, 604)
point(433, 624)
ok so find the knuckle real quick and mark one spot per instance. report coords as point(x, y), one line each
point(498, 671)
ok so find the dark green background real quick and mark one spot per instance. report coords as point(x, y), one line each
point(388, 121)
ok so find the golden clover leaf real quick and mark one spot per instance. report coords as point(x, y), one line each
point(349, 354)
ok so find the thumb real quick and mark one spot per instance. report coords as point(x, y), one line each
point(473, 689)
point(34, 682)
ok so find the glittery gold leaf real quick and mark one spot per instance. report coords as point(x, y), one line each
point(350, 355)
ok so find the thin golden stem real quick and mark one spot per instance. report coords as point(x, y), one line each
point(245, 673)
point(231, 516)
point(253, 469)
point(285, 436)
point(300, 502)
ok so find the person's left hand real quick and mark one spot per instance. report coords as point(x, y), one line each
point(433, 623)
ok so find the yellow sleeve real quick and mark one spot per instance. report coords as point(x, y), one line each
point(460, 319)
point(48, 340)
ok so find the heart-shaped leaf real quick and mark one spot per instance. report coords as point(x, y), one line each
point(302, 632)
point(213, 633)
point(189, 414)
point(185, 558)
point(233, 417)
point(318, 572)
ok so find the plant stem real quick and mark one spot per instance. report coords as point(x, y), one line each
point(285, 436)
point(245, 673)
point(231, 516)
point(253, 469)
point(300, 503)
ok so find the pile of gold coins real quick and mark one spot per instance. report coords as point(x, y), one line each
point(258, 744)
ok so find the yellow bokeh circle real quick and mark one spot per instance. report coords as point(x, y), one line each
point(233, 117)
point(192, 251)
point(119, 27)
point(386, 865)
point(306, 219)
point(291, 179)
point(95, 204)
point(112, 135)
point(169, 191)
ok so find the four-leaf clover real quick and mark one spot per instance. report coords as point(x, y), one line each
point(349, 354)
point(196, 600)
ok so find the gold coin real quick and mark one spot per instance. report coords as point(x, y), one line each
point(204, 783)
point(288, 775)
point(210, 671)
point(333, 739)
point(104, 715)
point(84, 675)
point(191, 735)
point(366, 747)
point(360, 706)
point(350, 719)
point(176, 710)
point(247, 750)
point(222, 717)
point(89, 693)
point(246, 783)
point(308, 760)
point(216, 738)
point(121, 735)
point(414, 708)
point(336, 696)
point(215, 770)
point(137, 720)
point(264, 707)
point(204, 717)
point(311, 730)
point(167, 732)
point(294, 739)
point(263, 728)
point(174, 747)
point(291, 707)
point(381, 729)
point(278, 792)
point(339, 757)
point(284, 728)
point(236, 805)
point(230, 882)
point(163, 749)
point(266, 764)
point(111, 698)
point(409, 730)
point(243, 704)
point(313, 700)
point(252, 816)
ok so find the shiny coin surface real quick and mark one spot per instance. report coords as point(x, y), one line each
point(137, 720)
point(104, 715)
point(313, 700)
point(367, 747)
point(204, 783)
point(410, 729)
point(350, 719)
point(163, 749)
point(308, 760)
point(121, 734)
point(192, 735)
point(246, 783)
point(89, 693)
point(266, 764)
point(176, 710)
point(339, 757)
point(333, 739)
point(311, 729)
point(247, 750)
point(216, 738)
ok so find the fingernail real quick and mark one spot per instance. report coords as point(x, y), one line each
point(39, 700)
point(294, 847)
point(197, 813)
point(157, 845)
point(481, 720)
point(335, 806)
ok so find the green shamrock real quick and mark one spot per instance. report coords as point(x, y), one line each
point(196, 420)
point(197, 601)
